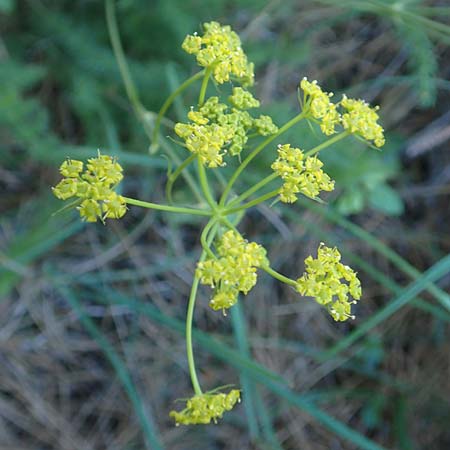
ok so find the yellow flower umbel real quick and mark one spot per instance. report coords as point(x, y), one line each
point(220, 50)
point(93, 186)
point(300, 175)
point(330, 282)
point(234, 271)
point(214, 131)
point(317, 103)
point(204, 408)
point(361, 119)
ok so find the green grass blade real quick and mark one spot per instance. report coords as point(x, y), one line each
point(240, 333)
point(433, 274)
point(148, 428)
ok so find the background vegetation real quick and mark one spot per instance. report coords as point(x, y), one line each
point(91, 317)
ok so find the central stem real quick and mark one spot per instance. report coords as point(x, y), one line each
point(205, 185)
point(202, 95)
point(190, 311)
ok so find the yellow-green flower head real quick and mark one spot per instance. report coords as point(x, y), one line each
point(215, 131)
point(242, 99)
point(94, 187)
point(207, 141)
point(207, 407)
point(330, 282)
point(300, 175)
point(220, 50)
point(233, 271)
point(360, 118)
point(317, 103)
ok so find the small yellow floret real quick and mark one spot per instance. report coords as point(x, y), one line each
point(265, 126)
point(300, 175)
point(243, 99)
point(71, 168)
point(330, 282)
point(90, 210)
point(207, 407)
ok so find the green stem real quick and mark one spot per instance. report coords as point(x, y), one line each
point(279, 276)
point(175, 174)
point(255, 152)
point(204, 236)
point(202, 95)
point(205, 185)
point(229, 225)
point(169, 101)
point(174, 209)
point(254, 202)
point(190, 317)
point(327, 143)
point(114, 36)
point(253, 189)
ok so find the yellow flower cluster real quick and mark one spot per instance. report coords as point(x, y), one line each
point(234, 271)
point(300, 175)
point(319, 105)
point(205, 140)
point(358, 116)
point(214, 131)
point(220, 49)
point(330, 282)
point(93, 186)
point(361, 119)
point(202, 409)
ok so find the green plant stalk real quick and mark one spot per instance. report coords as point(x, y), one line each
point(173, 177)
point(253, 189)
point(279, 276)
point(205, 185)
point(174, 209)
point(254, 202)
point(121, 60)
point(190, 318)
point(166, 105)
point(229, 225)
point(191, 182)
point(204, 87)
point(203, 238)
point(327, 143)
point(140, 112)
point(255, 152)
